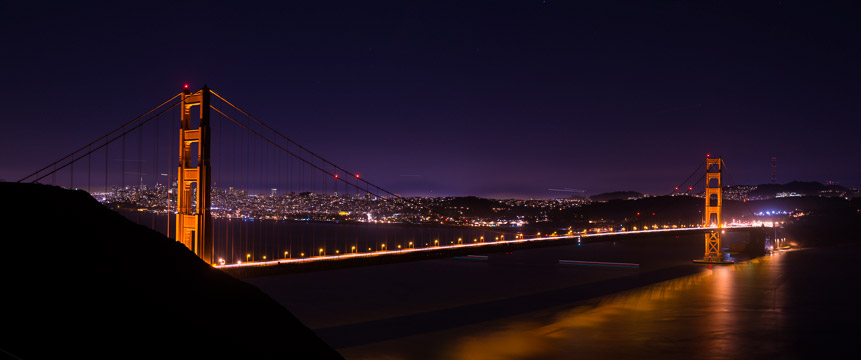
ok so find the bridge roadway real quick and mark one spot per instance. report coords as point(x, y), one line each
point(327, 262)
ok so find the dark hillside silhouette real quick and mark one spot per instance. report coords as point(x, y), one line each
point(81, 281)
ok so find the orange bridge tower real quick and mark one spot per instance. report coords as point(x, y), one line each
point(712, 213)
point(193, 219)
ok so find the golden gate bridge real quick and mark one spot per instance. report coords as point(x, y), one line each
point(221, 184)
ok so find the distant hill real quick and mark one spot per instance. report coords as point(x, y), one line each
point(687, 210)
point(616, 195)
point(827, 226)
point(798, 187)
point(469, 206)
point(81, 281)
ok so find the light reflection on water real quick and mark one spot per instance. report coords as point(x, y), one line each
point(720, 313)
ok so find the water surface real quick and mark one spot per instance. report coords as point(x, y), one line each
point(796, 304)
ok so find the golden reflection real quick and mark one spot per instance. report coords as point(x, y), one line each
point(532, 339)
point(702, 313)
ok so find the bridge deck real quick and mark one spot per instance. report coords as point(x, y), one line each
point(261, 268)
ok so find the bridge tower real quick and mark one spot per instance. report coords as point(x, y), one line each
point(712, 214)
point(193, 219)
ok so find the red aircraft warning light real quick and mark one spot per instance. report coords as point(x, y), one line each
point(357, 176)
point(185, 86)
point(336, 176)
point(691, 188)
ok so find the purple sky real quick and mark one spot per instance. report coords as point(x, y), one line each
point(501, 99)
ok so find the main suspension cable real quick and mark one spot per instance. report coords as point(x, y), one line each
point(300, 146)
point(120, 136)
point(97, 140)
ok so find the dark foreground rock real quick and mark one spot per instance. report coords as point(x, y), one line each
point(81, 281)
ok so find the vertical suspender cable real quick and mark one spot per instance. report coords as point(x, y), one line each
point(106, 166)
point(123, 164)
point(139, 175)
point(140, 158)
point(214, 197)
point(89, 170)
point(170, 154)
point(153, 176)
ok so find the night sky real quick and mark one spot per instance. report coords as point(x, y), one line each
point(496, 99)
